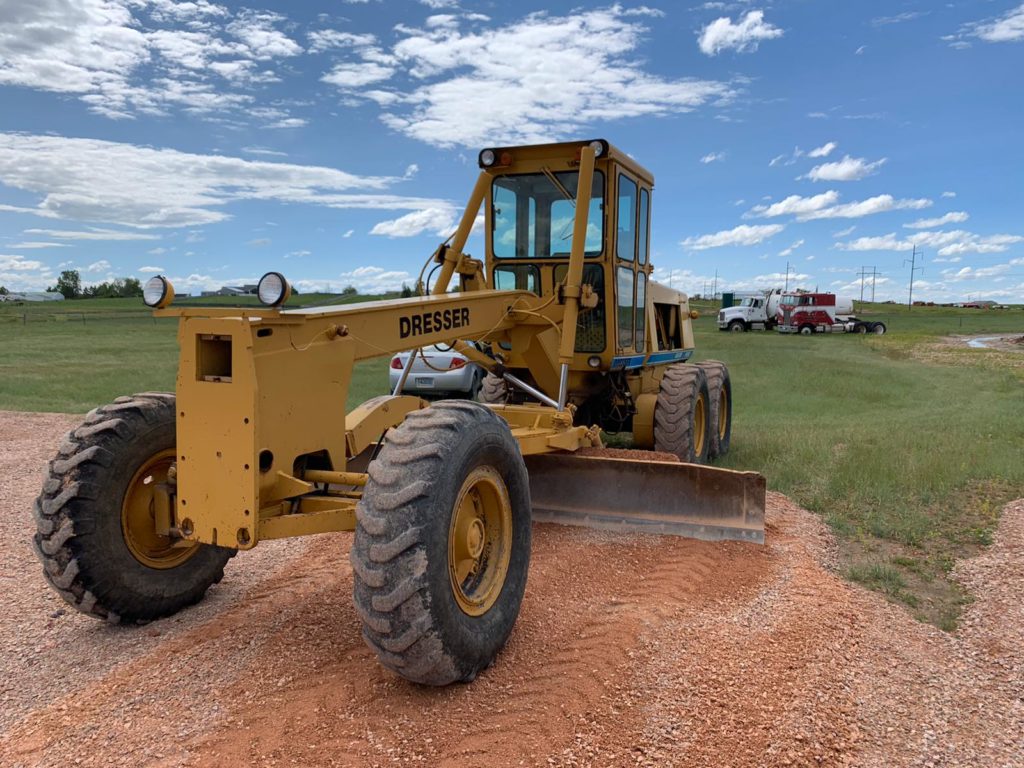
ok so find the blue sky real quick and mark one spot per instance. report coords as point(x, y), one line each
point(336, 141)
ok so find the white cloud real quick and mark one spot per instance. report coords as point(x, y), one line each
point(744, 234)
point(949, 194)
point(438, 221)
point(899, 18)
point(358, 74)
point(20, 274)
point(348, 233)
point(263, 151)
point(127, 58)
point(150, 270)
point(945, 243)
point(93, 233)
point(376, 279)
point(259, 242)
point(513, 79)
point(860, 50)
point(826, 206)
point(847, 169)
point(868, 207)
point(134, 186)
point(953, 217)
point(824, 150)
point(297, 254)
point(795, 205)
point(326, 39)
point(793, 247)
point(98, 266)
point(844, 232)
point(1007, 28)
point(712, 157)
point(32, 245)
point(723, 35)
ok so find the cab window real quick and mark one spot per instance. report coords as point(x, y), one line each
point(625, 307)
point(626, 240)
point(590, 324)
point(517, 277)
point(645, 227)
point(533, 215)
point(641, 298)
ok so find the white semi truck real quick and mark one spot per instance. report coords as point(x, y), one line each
point(753, 312)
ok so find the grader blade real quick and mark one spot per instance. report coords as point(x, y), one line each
point(690, 500)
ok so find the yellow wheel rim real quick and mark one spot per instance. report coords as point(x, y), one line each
point(138, 519)
point(723, 413)
point(480, 541)
point(700, 424)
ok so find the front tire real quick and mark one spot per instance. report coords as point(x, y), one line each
point(93, 518)
point(681, 414)
point(737, 326)
point(806, 330)
point(442, 545)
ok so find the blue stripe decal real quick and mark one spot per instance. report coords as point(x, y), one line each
point(628, 362)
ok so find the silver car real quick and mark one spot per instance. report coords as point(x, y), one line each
point(438, 371)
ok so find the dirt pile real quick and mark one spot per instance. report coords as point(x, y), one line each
point(630, 650)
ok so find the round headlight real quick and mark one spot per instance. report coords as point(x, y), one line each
point(273, 289)
point(594, 361)
point(598, 147)
point(158, 292)
point(487, 158)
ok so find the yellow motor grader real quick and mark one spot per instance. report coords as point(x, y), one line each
point(147, 500)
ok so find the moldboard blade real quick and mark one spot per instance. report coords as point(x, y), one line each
point(691, 500)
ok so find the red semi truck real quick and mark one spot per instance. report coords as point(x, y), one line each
point(808, 313)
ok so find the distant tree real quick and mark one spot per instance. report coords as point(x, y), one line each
point(406, 291)
point(349, 290)
point(3, 290)
point(120, 288)
point(69, 284)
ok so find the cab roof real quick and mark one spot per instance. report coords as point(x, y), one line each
point(567, 150)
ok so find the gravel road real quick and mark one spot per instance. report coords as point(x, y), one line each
point(630, 650)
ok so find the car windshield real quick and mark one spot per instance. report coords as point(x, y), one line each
point(749, 303)
point(533, 215)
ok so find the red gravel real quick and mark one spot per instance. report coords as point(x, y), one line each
point(630, 650)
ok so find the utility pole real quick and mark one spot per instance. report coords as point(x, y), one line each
point(913, 269)
point(714, 290)
point(787, 276)
point(704, 293)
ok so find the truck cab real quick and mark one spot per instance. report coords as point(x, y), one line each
point(753, 312)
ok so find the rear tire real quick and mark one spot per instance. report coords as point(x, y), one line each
point(95, 554)
point(720, 407)
point(427, 618)
point(681, 414)
point(878, 328)
point(860, 328)
point(493, 390)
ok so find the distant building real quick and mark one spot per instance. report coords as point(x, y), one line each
point(32, 296)
point(233, 290)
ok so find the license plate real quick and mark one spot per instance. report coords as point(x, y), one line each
point(424, 381)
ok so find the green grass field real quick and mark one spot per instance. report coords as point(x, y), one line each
point(906, 445)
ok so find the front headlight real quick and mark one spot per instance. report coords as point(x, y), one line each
point(273, 290)
point(158, 292)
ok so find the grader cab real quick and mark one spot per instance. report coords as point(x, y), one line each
point(149, 498)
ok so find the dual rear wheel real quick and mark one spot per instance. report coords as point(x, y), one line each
point(693, 412)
